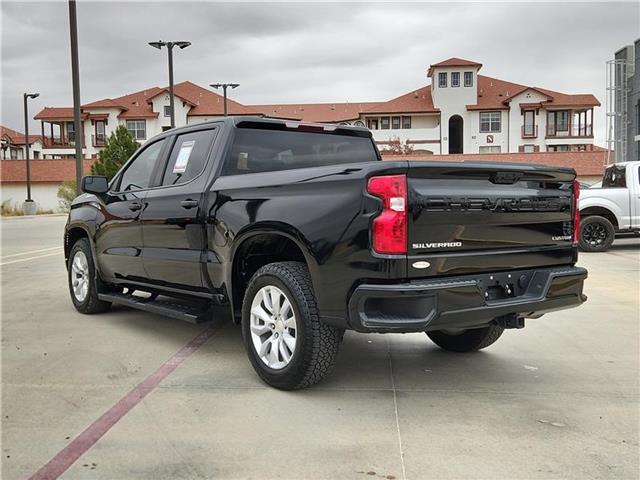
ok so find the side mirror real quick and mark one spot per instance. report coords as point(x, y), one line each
point(94, 184)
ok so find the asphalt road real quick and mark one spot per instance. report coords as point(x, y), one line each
point(558, 399)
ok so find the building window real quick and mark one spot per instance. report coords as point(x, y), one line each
point(558, 148)
point(384, 123)
point(406, 122)
point(395, 123)
point(71, 133)
point(557, 121)
point(167, 110)
point(359, 123)
point(372, 123)
point(490, 149)
point(137, 128)
point(455, 79)
point(468, 79)
point(490, 122)
point(528, 148)
point(99, 137)
point(13, 153)
point(442, 79)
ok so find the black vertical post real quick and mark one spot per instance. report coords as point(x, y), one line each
point(75, 73)
point(173, 114)
point(26, 146)
point(224, 92)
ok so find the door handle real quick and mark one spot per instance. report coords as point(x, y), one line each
point(135, 206)
point(189, 203)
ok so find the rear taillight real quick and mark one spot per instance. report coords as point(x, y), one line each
point(389, 228)
point(576, 212)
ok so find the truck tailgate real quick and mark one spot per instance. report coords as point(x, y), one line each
point(477, 217)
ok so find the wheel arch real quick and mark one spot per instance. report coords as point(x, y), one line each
point(601, 211)
point(260, 246)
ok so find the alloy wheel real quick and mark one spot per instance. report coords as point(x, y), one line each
point(80, 276)
point(595, 234)
point(273, 327)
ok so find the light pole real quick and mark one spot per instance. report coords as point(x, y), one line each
point(224, 91)
point(159, 44)
point(28, 207)
point(75, 82)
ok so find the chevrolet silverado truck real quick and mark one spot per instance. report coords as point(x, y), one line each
point(611, 209)
point(302, 232)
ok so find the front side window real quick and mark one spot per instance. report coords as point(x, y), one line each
point(490, 122)
point(395, 123)
point(455, 79)
point(263, 150)
point(137, 128)
point(138, 173)
point(614, 177)
point(468, 79)
point(406, 122)
point(188, 157)
point(490, 149)
point(442, 79)
point(384, 123)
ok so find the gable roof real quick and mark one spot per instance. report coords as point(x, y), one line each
point(453, 62)
point(416, 101)
point(316, 112)
point(55, 113)
point(18, 138)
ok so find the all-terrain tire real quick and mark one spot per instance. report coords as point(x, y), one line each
point(90, 303)
point(596, 234)
point(467, 340)
point(317, 343)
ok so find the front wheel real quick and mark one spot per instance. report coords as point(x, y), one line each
point(287, 344)
point(596, 234)
point(84, 282)
point(466, 340)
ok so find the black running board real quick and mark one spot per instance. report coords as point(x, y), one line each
point(181, 311)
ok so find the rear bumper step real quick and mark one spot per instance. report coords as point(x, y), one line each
point(182, 311)
point(465, 302)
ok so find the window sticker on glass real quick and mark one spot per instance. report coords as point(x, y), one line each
point(183, 157)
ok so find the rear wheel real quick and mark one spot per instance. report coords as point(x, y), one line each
point(84, 283)
point(287, 344)
point(466, 340)
point(596, 234)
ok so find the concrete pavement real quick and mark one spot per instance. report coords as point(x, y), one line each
point(558, 399)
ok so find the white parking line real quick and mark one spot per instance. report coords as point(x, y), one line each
point(30, 252)
point(28, 259)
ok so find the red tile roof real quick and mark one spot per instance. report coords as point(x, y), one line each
point(42, 171)
point(492, 92)
point(104, 103)
point(138, 104)
point(208, 103)
point(585, 163)
point(315, 112)
point(17, 138)
point(417, 101)
point(453, 62)
point(55, 113)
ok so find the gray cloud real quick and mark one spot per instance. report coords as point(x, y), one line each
point(306, 52)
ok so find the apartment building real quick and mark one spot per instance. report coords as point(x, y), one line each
point(13, 145)
point(458, 112)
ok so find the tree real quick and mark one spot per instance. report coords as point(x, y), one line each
point(119, 147)
point(66, 193)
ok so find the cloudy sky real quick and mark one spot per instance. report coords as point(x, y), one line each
point(305, 52)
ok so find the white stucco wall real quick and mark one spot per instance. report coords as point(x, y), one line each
point(516, 121)
point(44, 194)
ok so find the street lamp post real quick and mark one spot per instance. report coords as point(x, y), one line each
point(224, 87)
point(29, 207)
point(159, 44)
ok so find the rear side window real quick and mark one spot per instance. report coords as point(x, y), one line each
point(188, 157)
point(138, 174)
point(261, 150)
point(614, 177)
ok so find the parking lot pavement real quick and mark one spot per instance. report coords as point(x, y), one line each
point(558, 399)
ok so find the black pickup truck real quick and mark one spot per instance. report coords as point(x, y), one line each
point(302, 232)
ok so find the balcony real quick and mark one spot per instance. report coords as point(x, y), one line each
point(57, 142)
point(573, 131)
point(529, 131)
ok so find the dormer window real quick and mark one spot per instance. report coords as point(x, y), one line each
point(442, 80)
point(468, 79)
point(455, 79)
